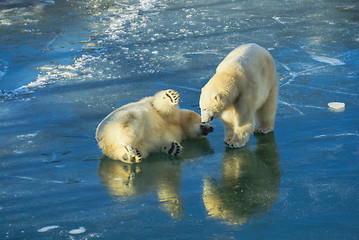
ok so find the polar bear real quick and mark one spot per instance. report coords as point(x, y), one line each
point(152, 124)
point(244, 86)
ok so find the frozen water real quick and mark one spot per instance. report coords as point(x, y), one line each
point(64, 65)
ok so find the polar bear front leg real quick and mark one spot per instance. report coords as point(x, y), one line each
point(166, 102)
point(173, 148)
point(228, 131)
point(172, 96)
point(241, 135)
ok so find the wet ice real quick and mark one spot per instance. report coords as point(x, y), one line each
point(67, 64)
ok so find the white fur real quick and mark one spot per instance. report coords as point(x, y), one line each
point(152, 124)
point(244, 86)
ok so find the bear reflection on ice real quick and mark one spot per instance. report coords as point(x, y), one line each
point(153, 124)
point(249, 183)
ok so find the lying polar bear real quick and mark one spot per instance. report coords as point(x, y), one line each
point(153, 124)
point(244, 86)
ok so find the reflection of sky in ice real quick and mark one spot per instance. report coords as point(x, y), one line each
point(65, 64)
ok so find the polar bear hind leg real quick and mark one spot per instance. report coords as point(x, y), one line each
point(131, 155)
point(124, 153)
point(266, 113)
point(172, 96)
point(118, 138)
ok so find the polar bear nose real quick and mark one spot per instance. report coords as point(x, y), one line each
point(210, 129)
point(206, 129)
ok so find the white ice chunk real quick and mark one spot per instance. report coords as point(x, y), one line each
point(331, 61)
point(147, 4)
point(45, 229)
point(336, 106)
point(78, 230)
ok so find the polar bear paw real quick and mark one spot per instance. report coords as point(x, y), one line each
point(173, 96)
point(263, 130)
point(233, 144)
point(174, 149)
point(132, 155)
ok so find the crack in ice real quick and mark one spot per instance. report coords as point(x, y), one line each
point(291, 106)
point(325, 90)
point(337, 135)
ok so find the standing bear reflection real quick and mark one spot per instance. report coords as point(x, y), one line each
point(249, 183)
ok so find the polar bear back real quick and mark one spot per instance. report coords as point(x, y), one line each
point(247, 61)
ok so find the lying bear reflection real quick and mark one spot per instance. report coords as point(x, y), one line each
point(157, 173)
point(249, 183)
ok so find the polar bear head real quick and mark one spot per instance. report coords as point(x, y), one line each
point(217, 95)
point(192, 126)
point(211, 106)
point(212, 101)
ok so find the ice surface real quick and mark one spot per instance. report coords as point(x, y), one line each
point(3, 68)
point(64, 65)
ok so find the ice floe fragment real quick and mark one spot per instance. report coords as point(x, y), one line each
point(45, 229)
point(78, 230)
point(336, 106)
point(331, 61)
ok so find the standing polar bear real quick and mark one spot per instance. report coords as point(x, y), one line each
point(244, 86)
point(153, 124)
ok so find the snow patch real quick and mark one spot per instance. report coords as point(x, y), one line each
point(278, 20)
point(78, 230)
point(48, 228)
point(147, 4)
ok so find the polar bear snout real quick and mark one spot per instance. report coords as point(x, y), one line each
point(206, 116)
point(206, 129)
